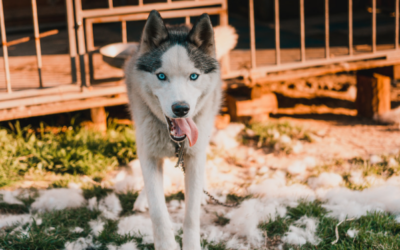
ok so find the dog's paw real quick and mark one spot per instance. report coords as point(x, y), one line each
point(141, 203)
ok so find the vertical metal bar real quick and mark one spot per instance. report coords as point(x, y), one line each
point(110, 4)
point(90, 49)
point(187, 20)
point(140, 2)
point(169, 1)
point(396, 39)
point(37, 41)
point(327, 52)
point(252, 35)
point(350, 27)
point(71, 38)
point(124, 35)
point(302, 33)
point(277, 34)
point(5, 50)
point(81, 42)
point(225, 60)
point(373, 25)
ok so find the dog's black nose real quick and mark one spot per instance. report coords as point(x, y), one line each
point(180, 109)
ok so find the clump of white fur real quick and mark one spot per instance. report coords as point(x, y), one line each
point(325, 180)
point(97, 226)
point(137, 225)
point(225, 40)
point(58, 199)
point(110, 206)
point(126, 246)
point(343, 202)
point(81, 244)
point(10, 197)
point(244, 220)
point(10, 220)
point(352, 233)
point(302, 231)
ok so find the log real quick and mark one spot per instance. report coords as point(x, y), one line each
point(258, 109)
point(373, 94)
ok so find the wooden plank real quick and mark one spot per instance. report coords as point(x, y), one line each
point(149, 7)
point(107, 91)
point(331, 69)
point(373, 94)
point(40, 92)
point(245, 107)
point(61, 107)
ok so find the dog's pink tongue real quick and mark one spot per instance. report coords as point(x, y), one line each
point(189, 128)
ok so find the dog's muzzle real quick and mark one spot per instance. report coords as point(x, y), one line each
point(181, 128)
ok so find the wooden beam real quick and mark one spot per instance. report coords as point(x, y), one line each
point(373, 94)
point(258, 109)
point(61, 107)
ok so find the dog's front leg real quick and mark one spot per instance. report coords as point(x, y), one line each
point(164, 238)
point(194, 182)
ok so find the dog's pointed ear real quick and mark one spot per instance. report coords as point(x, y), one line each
point(154, 32)
point(202, 35)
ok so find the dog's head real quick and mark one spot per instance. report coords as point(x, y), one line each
point(177, 68)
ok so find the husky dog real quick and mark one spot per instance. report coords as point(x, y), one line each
point(174, 89)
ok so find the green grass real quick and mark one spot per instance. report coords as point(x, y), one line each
point(64, 151)
point(70, 152)
point(376, 230)
point(268, 134)
point(345, 168)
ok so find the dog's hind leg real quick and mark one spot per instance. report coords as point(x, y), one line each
point(194, 183)
point(164, 238)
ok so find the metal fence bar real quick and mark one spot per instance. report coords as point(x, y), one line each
point(110, 4)
point(5, 50)
point(187, 20)
point(302, 33)
point(71, 38)
point(37, 41)
point(373, 25)
point(277, 34)
point(350, 27)
point(396, 39)
point(81, 41)
point(124, 34)
point(327, 52)
point(140, 2)
point(252, 34)
point(225, 60)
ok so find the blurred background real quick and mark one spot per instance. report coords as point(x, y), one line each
point(307, 55)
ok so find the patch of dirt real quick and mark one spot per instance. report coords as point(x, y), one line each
point(340, 137)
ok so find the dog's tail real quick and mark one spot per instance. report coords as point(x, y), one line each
point(390, 117)
point(225, 40)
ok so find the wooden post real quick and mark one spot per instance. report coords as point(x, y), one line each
point(373, 93)
point(99, 118)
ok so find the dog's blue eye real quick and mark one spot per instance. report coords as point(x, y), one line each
point(162, 76)
point(194, 76)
